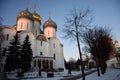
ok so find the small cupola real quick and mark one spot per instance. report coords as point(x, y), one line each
point(50, 23)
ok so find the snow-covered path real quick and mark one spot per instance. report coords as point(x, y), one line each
point(61, 75)
point(111, 74)
point(117, 77)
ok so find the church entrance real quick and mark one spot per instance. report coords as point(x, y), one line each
point(45, 65)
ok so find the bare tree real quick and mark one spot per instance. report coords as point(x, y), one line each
point(76, 23)
point(100, 43)
point(86, 49)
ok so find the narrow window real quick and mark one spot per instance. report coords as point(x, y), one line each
point(54, 56)
point(36, 32)
point(41, 53)
point(53, 33)
point(41, 43)
point(7, 36)
point(53, 45)
point(21, 25)
point(48, 33)
point(27, 26)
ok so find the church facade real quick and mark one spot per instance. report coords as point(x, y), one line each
point(46, 47)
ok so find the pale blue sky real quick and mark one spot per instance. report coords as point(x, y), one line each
point(104, 12)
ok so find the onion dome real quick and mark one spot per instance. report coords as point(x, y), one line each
point(37, 17)
point(26, 14)
point(51, 23)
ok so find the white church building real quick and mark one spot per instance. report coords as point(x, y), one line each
point(46, 47)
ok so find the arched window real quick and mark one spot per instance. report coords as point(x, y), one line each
point(27, 26)
point(36, 32)
point(54, 56)
point(41, 43)
point(48, 32)
point(41, 53)
point(53, 33)
point(34, 63)
point(21, 25)
point(53, 45)
point(7, 36)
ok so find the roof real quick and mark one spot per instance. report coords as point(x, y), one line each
point(50, 23)
point(37, 17)
point(26, 14)
point(41, 38)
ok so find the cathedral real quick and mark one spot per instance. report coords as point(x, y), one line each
point(46, 47)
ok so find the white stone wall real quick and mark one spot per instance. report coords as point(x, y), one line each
point(62, 57)
point(58, 51)
point(41, 46)
point(36, 28)
point(10, 32)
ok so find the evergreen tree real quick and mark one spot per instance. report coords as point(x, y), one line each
point(26, 54)
point(13, 58)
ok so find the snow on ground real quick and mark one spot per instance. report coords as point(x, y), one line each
point(59, 75)
point(111, 74)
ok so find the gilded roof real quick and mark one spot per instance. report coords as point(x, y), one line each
point(37, 17)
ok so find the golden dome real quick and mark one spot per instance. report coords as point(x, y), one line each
point(26, 14)
point(37, 17)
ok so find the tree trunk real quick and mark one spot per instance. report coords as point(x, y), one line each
point(97, 65)
point(82, 66)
